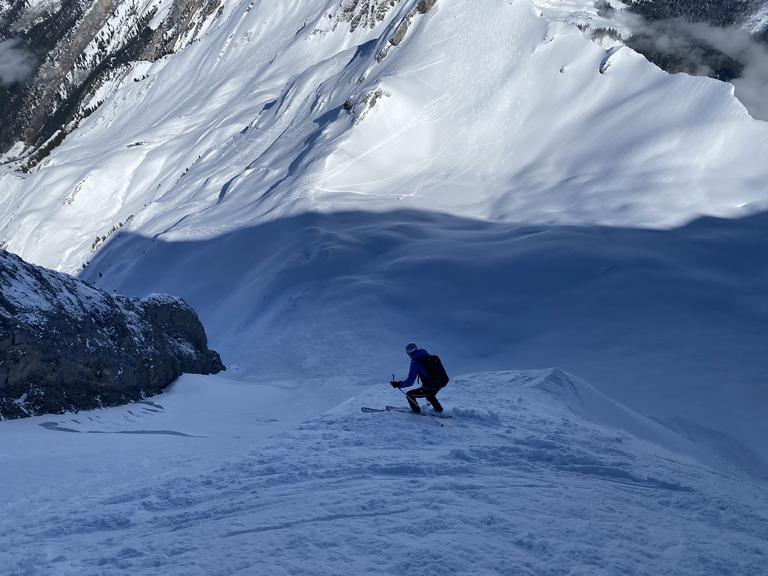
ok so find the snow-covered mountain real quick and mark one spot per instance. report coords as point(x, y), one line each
point(324, 182)
point(60, 58)
point(291, 111)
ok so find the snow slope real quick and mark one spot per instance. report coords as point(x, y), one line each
point(528, 205)
point(524, 479)
point(282, 112)
point(671, 323)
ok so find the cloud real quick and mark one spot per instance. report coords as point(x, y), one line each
point(752, 88)
point(752, 82)
point(16, 62)
point(727, 53)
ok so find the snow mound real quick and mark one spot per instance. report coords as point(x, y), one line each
point(582, 399)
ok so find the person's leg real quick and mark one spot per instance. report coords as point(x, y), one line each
point(411, 399)
point(432, 399)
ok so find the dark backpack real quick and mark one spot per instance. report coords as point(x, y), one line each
point(436, 377)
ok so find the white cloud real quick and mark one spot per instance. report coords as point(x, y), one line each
point(16, 62)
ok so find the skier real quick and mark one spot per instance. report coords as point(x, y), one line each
point(417, 370)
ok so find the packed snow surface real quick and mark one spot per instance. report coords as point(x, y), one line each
point(495, 187)
point(523, 479)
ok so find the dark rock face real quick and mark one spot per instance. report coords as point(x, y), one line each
point(65, 345)
point(366, 13)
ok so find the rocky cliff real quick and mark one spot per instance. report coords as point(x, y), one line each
point(65, 345)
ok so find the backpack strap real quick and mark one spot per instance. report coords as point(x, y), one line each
point(425, 374)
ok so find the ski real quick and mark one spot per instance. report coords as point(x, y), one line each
point(409, 411)
point(368, 410)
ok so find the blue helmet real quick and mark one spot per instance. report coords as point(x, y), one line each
point(411, 348)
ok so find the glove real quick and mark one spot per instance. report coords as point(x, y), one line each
point(395, 383)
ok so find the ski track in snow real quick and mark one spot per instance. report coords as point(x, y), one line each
point(515, 483)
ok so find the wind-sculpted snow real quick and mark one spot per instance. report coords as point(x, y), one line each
point(514, 483)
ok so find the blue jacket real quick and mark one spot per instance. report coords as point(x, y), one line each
point(417, 370)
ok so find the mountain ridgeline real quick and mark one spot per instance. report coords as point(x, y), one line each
point(61, 60)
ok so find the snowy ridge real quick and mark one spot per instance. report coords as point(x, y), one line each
point(30, 292)
point(265, 130)
point(580, 398)
point(515, 483)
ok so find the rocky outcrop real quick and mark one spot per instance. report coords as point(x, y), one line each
point(65, 345)
point(369, 13)
point(366, 13)
point(421, 8)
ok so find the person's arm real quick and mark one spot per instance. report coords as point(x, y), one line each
point(412, 374)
